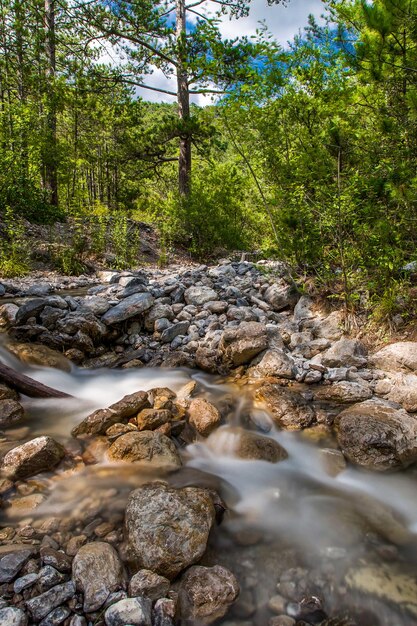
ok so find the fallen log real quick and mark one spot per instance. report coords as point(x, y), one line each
point(28, 386)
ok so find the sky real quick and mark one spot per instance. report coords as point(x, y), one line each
point(282, 21)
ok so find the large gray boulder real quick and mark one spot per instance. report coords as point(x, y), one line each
point(287, 408)
point(281, 296)
point(131, 306)
point(275, 363)
point(377, 435)
point(153, 448)
point(343, 391)
point(38, 455)
point(11, 616)
point(345, 353)
point(239, 345)
point(158, 311)
point(167, 529)
point(397, 357)
point(206, 593)
point(131, 611)
point(199, 295)
point(97, 571)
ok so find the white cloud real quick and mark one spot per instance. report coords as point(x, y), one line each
point(282, 22)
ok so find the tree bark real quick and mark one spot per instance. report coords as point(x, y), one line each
point(50, 150)
point(28, 386)
point(183, 99)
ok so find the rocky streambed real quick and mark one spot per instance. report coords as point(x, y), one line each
point(243, 462)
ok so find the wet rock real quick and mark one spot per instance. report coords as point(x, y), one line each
point(151, 447)
point(38, 455)
point(259, 448)
point(277, 604)
point(275, 363)
point(288, 408)
point(284, 620)
point(333, 461)
point(149, 419)
point(167, 529)
point(11, 412)
point(391, 583)
point(397, 357)
point(281, 296)
point(344, 392)
point(97, 571)
point(239, 345)
point(132, 611)
point(12, 559)
point(378, 435)
point(199, 295)
point(11, 616)
point(42, 605)
point(206, 593)
point(203, 416)
point(99, 421)
point(345, 353)
point(131, 306)
point(38, 354)
point(149, 584)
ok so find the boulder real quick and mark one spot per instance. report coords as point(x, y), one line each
point(29, 309)
point(397, 357)
point(256, 447)
point(149, 419)
point(173, 331)
point(97, 571)
point(203, 416)
point(199, 295)
point(11, 412)
point(331, 327)
point(99, 421)
point(345, 353)
point(206, 593)
point(148, 446)
point(239, 345)
point(400, 388)
point(343, 391)
point(275, 363)
point(38, 354)
point(12, 558)
point(8, 313)
point(377, 435)
point(131, 306)
point(149, 584)
point(287, 408)
point(38, 455)
point(167, 529)
point(281, 296)
point(131, 611)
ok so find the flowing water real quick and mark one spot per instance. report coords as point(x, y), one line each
point(306, 524)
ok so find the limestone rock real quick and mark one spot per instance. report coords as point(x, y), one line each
point(149, 419)
point(397, 357)
point(287, 408)
point(99, 421)
point(42, 605)
point(345, 353)
point(158, 311)
point(203, 416)
point(241, 344)
point(12, 559)
point(97, 571)
point(259, 448)
point(148, 446)
point(281, 295)
point(131, 306)
point(167, 529)
point(38, 455)
point(343, 391)
point(199, 295)
point(275, 363)
point(378, 435)
point(206, 593)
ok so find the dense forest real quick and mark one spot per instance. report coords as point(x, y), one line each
point(306, 153)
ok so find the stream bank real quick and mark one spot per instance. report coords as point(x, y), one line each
point(257, 463)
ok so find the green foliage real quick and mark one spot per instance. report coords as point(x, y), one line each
point(14, 253)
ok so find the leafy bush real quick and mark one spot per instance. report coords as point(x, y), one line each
point(14, 252)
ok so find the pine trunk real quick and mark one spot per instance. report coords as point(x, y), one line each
point(183, 98)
